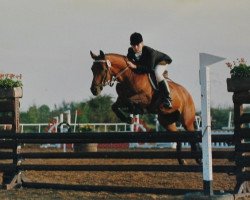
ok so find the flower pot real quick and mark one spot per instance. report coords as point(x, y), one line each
point(238, 84)
point(89, 147)
point(16, 92)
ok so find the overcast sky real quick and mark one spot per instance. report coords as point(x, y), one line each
point(48, 42)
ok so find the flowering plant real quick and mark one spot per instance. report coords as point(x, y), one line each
point(10, 81)
point(239, 68)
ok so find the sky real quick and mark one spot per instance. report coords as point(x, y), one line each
point(48, 42)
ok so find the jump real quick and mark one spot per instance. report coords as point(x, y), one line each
point(136, 90)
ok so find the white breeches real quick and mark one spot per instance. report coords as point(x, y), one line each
point(159, 70)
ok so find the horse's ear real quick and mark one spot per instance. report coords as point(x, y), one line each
point(102, 55)
point(93, 55)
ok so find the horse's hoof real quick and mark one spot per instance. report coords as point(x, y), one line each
point(182, 162)
point(198, 161)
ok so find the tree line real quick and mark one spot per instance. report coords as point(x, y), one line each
point(94, 110)
point(98, 110)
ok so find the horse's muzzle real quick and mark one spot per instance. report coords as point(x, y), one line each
point(96, 90)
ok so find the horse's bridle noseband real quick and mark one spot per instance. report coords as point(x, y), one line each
point(113, 78)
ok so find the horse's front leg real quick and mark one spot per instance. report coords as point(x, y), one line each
point(117, 109)
point(195, 147)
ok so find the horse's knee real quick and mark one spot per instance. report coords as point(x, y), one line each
point(116, 109)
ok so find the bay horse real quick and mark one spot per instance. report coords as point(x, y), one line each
point(136, 90)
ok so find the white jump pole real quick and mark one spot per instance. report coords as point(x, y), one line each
point(137, 122)
point(229, 120)
point(205, 61)
point(132, 125)
point(68, 120)
point(68, 116)
point(61, 118)
point(76, 115)
point(157, 124)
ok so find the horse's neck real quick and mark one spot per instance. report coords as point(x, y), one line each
point(129, 77)
point(119, 66)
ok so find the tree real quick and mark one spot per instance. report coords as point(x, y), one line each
point(84, 112)
point(98, 109)
point(32, 114)
point(44, 113)
point(220, 117)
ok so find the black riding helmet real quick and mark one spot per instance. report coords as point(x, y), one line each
point(135, 38)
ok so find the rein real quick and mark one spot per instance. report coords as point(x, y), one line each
point(113, 78)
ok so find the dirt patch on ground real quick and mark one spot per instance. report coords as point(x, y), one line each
point(135, 182)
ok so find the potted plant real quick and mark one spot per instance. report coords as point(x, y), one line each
point(10, 86)
point(240, 76)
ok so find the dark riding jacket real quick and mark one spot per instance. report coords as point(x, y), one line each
point(148, 59)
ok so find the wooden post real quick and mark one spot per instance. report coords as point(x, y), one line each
point(10, 117)
point(242, 185)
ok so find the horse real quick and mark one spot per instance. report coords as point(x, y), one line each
point(137, 91)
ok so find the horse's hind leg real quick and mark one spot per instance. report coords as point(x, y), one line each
point(172, 128)
point(189, 126)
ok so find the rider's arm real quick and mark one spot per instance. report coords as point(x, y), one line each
point(153, 58)
point(167, 59)
point(147, 65)
point(131, 65)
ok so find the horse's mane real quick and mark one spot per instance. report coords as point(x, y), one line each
point(115, 54)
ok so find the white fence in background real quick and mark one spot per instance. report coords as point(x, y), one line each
point(123, 127)
point(186, 144)
point(117, 127)
point(96, 127)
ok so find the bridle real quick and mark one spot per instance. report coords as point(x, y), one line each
point(113, 78)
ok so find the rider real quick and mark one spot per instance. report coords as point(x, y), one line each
point(147, 60)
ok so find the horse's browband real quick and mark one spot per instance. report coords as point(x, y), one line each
point(103, 61)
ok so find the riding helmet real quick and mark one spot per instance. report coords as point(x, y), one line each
point(135, 38)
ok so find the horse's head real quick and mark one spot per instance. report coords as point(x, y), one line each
point(101, 75)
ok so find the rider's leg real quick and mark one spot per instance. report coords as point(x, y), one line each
point(165, 92)
point(163, 85)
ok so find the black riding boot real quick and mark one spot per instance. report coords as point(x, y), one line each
point(164, 92)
